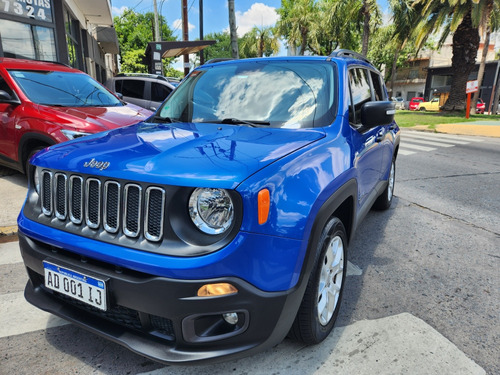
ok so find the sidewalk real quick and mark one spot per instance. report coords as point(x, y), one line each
point(479, 128)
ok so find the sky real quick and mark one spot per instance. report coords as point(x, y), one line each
point(249, 13)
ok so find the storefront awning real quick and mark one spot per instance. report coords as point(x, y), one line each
point(175, 49)
point(108, 40)
point(97, 12)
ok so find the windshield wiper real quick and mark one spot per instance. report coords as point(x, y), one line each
point(160, 119)
point(236, 121)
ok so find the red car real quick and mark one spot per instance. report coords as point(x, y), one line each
point(414, 102)
point(480, 106)
point(43, 103)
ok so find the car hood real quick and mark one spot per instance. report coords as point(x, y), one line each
point(94, 119)
point(183, 154)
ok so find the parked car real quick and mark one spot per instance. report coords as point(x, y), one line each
point(145, 90)
point(480, 106)
point(222, 224)
point(399, 102)
point(44, 103)
point(414, 102)
point(432, 105)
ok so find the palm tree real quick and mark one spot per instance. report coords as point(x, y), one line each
point(463, 19)
point(298, 23)
point(261, 41)
point(405, 22)
point(232, 30)
point(488, 25)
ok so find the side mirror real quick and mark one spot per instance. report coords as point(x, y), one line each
point(5, 97)
point(377, 114)
point(120, 95)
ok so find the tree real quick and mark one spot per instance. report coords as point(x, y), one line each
point(488, 24)
point(405, 20)
point(260, 41)
point(463, 19)
point(232, 30)
point(135, 31)
point(299, 24)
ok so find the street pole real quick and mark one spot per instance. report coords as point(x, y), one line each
point(202, 56)
point(157, 22)
point(185, 34)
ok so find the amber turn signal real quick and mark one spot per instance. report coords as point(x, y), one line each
point(221, 289)
point(264, 202)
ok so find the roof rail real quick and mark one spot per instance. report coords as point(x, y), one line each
point(146, 75)
point(349, 53)
point(219, 59)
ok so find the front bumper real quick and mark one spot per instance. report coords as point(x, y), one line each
point(162, 318)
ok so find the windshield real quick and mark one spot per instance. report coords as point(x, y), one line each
point(255, 93)
point(63, 89)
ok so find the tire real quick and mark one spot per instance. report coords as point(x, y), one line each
point(384, 200)
point(422, 109)
point(30, 154)
point(321, 303)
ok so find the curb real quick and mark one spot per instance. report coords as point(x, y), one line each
point(8, 231)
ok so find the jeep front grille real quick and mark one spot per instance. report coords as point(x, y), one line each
point(107, 205)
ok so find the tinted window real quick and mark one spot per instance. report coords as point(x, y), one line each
point(360, 92)
point(133, 88)
point(159, 92)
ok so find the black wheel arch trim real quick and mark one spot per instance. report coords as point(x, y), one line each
point(341, 196)
point(31, 136)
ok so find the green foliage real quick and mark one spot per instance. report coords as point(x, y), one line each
point(135, 31)
point(260, 41)
point(222, 47)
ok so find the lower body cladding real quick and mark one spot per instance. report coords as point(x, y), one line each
point(161, 318)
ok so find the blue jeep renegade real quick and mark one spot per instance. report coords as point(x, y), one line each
point(221, 224)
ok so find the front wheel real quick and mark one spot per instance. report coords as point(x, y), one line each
point(321, 303)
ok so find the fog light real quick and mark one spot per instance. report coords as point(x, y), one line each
point(231, 318)
point(219, 289)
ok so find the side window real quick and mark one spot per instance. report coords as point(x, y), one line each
point(133, 88)
point(359, 85)
point(5, 87)
point(118, 86)
point(159, 92)
point(377, 87)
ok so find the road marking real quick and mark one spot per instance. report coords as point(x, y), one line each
point(417, 147)
point(405, 152)
point(10, 253)
point(398, 344)
point(427, 136)
point(430, 143)
point(17, 316)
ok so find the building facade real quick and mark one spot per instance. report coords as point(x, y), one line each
point(78, 33)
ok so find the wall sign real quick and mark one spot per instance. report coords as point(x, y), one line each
point(40, 10)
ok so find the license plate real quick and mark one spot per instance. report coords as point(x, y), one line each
point(77, 285)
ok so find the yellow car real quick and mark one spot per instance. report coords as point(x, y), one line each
point(433, 105)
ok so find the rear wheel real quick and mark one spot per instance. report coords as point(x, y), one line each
point(384, 201)
point(321, 303)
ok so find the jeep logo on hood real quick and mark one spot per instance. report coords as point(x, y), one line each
point(101, 165)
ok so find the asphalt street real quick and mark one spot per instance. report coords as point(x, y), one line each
point(422, 293)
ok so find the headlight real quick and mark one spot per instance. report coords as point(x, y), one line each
point(71, 134)
point(211, 210)
point(36, 179)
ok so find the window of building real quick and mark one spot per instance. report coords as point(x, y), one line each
point(21, 40)
point(413, 74)
point(72, 28)
point(439, 81)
